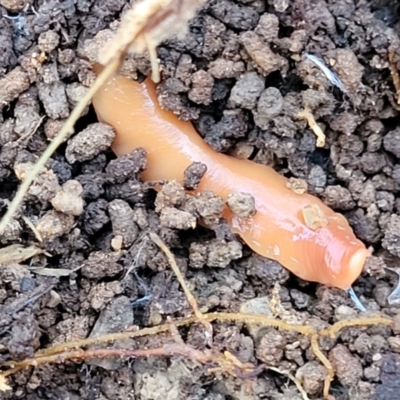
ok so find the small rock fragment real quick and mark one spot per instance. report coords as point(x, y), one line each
point(69, 199)
point(117, 243)
point(394, 343)
point(242, 204)
point(116, 317)
point(296, 185)
point(54, 224)
point(242, 150)
point(314, 217)
point(14, 5)
point(54, 300)
point(121, 215)
point(90, 142)
point(172, 218)
point(257, 306)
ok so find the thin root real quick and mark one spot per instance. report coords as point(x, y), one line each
point(190, 298)
point(307, 115)
point(293, 379)
point(222, 362)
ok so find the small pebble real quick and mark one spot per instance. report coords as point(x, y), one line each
point(298, 186)
point(69, 199)
point(116, 317)
point(54, 224)
point(394, 343)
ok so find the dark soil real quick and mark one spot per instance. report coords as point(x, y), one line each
point(241, 75)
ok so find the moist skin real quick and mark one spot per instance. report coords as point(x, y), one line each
point(330, 255)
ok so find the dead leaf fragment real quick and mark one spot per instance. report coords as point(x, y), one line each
point(17, 253)
point(56, 272)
